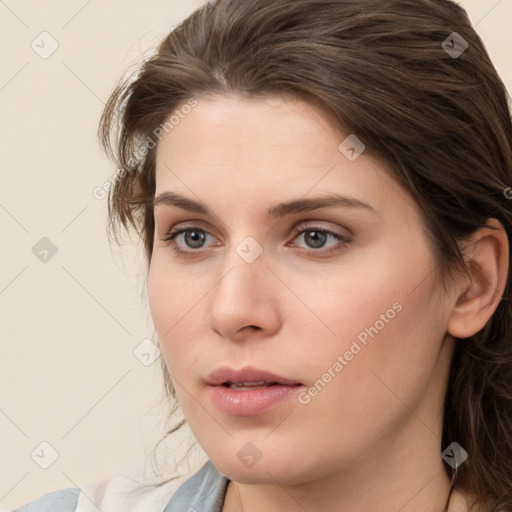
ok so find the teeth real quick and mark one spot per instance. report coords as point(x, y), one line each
point(247, 384)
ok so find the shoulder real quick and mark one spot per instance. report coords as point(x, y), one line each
point(135, 492)
point(122, 492)
point(64, 500)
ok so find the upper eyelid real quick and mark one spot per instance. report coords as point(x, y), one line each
point(305, 224)
point(311, 224)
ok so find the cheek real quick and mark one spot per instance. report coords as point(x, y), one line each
point(381, 315)
point(347, 299)
point(171, 299)
point(162, 301)
point(388, 343)
point(370, 392)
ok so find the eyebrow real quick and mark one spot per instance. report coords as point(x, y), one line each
point(278, 210)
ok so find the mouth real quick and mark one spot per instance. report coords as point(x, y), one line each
point(249, 391)
point(247, 378)
point(248, 386)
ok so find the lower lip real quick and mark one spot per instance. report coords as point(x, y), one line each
point(251, 402)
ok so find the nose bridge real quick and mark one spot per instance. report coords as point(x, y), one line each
point(243, 276)
point(244, 295)
point(244, 259)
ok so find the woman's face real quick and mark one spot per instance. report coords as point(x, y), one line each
point(294, 256)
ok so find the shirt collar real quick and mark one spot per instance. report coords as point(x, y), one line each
point(202, 492)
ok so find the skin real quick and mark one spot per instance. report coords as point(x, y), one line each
point(371, 439)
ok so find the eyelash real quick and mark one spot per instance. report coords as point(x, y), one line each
point(299, 230)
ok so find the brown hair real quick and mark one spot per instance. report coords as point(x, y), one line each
point(441, 123)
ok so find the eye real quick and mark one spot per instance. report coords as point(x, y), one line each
point(191, 238)
point(189, 241)
point(315, 237)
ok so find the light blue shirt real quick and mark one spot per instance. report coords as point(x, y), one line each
point(204, 491)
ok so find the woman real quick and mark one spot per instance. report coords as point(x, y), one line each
point(321, 191)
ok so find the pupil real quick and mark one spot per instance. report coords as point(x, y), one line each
point(317, 238)
point(194, 239)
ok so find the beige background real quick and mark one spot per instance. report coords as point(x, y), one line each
point(69, 326)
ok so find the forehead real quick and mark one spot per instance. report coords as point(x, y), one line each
point(226, 122)
point(247, 148)
point(253, 136)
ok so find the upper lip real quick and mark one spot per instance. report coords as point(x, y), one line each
point(225, 374)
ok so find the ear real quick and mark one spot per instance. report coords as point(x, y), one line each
point(479, 293)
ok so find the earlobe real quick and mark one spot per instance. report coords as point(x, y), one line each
point(479, 293)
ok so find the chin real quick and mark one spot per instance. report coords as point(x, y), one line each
point(267, 470)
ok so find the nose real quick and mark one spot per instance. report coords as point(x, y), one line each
point(245, 300)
